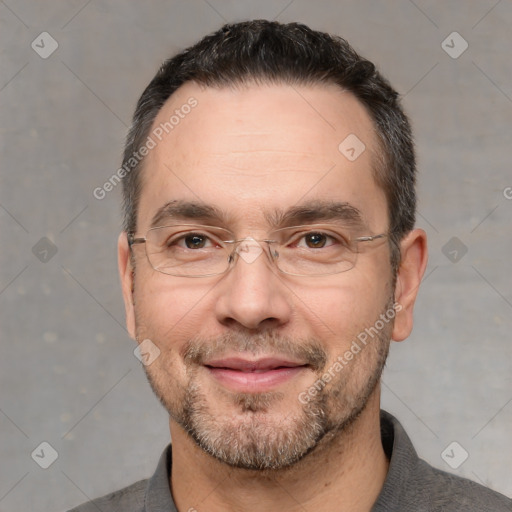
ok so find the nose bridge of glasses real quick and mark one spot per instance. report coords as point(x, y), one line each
point(249, 249)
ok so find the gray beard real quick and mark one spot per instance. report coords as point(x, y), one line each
point(251, 439)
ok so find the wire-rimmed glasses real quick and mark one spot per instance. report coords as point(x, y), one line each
point(193, 250)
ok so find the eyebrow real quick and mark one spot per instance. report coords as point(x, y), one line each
point(310, 212)
point(316, 211)
point(187, 210)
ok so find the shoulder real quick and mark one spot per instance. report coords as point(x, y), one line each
point(414, 485)
point(128, 499)
point(445, 492)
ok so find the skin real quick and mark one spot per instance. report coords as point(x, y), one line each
point(247, 150)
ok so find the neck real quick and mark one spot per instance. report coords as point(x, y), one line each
point(345, 472)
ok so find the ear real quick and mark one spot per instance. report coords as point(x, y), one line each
point(126, 275)
point(414, 256)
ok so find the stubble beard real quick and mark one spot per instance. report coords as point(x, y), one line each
point(254, 438)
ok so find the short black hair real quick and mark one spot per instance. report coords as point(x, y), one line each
point(264, 51)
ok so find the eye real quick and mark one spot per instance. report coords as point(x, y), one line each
point(191, 241)
point(315, 240)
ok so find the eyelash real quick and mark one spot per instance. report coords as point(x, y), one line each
point(181, 238)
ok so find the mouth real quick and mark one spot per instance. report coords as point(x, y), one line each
point(259, 375)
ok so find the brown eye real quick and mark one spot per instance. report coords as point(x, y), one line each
point(191, 241)
point(195, 241)
point(315, 240)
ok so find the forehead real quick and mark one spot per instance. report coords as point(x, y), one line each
point(254, 149)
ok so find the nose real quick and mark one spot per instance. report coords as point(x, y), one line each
point(253, 294)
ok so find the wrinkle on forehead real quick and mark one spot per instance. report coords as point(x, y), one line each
point(263, 144)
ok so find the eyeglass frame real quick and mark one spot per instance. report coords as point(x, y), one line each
point(132, 240)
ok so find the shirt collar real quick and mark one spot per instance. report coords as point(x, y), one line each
point(397, 445)
point(403, 461)
point(158, 493)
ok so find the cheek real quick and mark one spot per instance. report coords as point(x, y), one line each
point(336, 314)
point(169, 308)
point(168, 312)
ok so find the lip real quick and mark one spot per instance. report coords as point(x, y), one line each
point(258, 375)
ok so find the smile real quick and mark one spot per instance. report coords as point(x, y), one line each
point(242, 375)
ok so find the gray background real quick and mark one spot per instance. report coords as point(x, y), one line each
point(68, 375)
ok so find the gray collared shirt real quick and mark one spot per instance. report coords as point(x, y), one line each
point(411, 485)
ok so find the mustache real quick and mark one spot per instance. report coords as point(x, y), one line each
point(198, 350)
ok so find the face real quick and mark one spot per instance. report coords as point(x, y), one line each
point(253, 363)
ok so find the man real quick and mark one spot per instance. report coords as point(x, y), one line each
point(269, 257)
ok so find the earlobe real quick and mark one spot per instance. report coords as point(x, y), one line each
point(414, 256)
point(126, 274)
